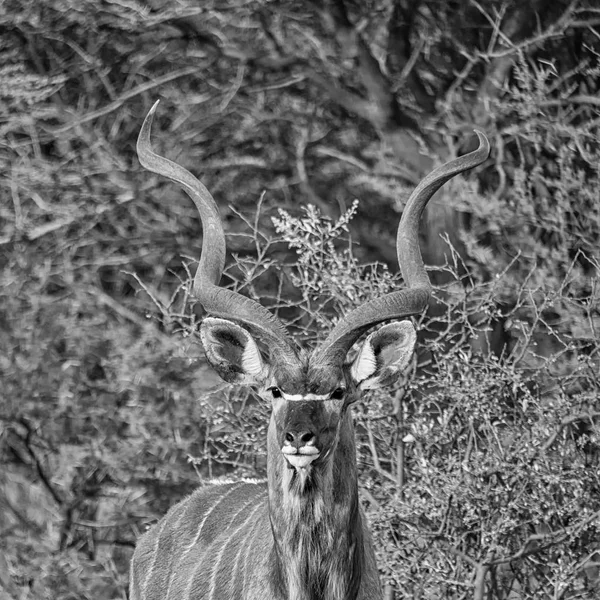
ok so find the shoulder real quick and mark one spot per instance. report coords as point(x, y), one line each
point(228, 490)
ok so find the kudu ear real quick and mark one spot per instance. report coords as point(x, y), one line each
point(384, 355)
point(232, 352)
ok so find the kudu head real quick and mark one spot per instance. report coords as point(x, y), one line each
point(309, 391)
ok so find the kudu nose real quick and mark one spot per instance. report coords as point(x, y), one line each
point(300, 438)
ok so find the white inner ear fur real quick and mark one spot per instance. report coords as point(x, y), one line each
point(384, 353)
point(248, 359)
point(365, 363)
point(252, 362)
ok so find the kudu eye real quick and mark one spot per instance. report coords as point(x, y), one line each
point(337, 394)
point(276, 392)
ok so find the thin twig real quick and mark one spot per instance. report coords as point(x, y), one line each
point(140, 89)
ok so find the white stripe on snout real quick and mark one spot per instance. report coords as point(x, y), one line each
point(305, 396)
point(301, 461)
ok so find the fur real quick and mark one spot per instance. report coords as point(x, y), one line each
point(301, 536)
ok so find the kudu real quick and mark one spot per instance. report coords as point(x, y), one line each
point(301, 535)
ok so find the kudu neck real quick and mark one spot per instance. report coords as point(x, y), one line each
point(316, 523)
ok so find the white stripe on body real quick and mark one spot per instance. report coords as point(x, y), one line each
point(213, 579)
point(197, 537)
point(175, 527)
point(206, 515)
point(144, 585)
point(249, 547)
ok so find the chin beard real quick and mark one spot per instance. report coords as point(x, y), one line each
point(302, 480)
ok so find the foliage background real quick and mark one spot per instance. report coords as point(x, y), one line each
point(480, 472)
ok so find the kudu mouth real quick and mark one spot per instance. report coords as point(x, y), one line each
point(300, 458)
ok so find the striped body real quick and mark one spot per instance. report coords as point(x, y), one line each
point(218, 544)
point(205, 547)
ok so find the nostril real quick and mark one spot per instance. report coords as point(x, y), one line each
point(307, 437)
point(300, 438)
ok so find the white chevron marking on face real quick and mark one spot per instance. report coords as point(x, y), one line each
point(304, 396)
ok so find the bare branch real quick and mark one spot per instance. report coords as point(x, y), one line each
point(402, 57)
point(140, 89)
point(565, 423)
point(530, 546)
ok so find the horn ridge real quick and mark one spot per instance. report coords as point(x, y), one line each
point(216, 301)
point(414, 299)
point(407, 239)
